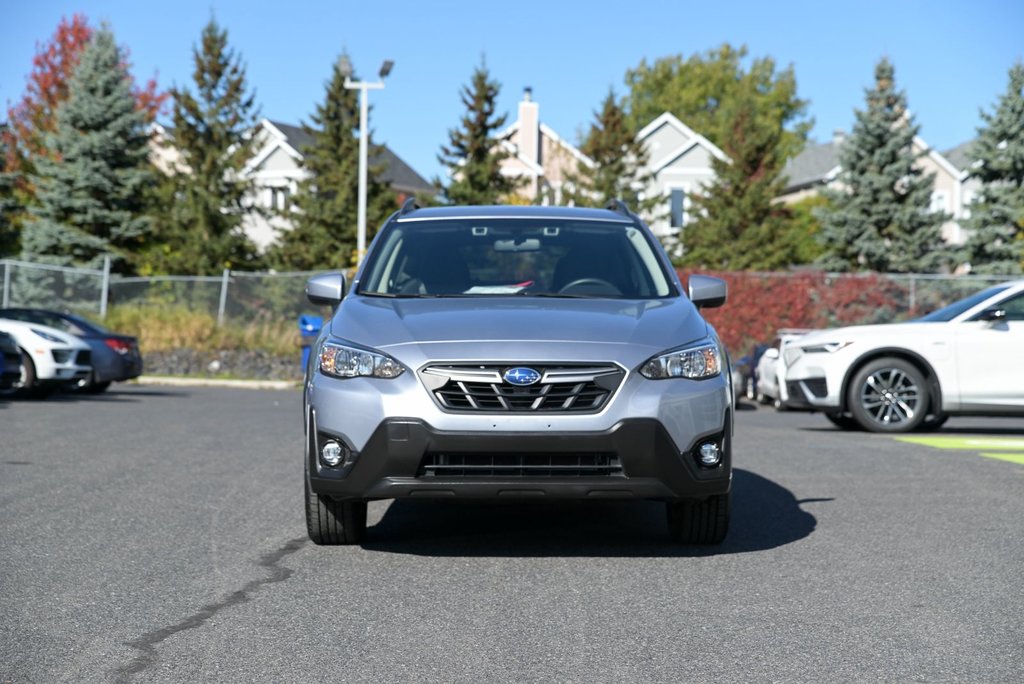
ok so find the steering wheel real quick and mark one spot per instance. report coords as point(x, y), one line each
point(602, 285)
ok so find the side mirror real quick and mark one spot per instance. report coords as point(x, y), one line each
point(993, 315)
point(326, 289)
point(772, 353)
point(707, 292)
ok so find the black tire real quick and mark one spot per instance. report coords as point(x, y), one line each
point(333, 523)
point(96, 387)
point(30, 386)
point(888, 395)
point(843, 421)
point(699, 522)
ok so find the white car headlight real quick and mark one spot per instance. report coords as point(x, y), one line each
point(696, 363)
point(825, 347)
point(340, 361)
point(47, 336)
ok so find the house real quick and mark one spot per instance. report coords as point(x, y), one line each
point(818, 167)
point(276, 171)
point(678, 163)
point(540, 157)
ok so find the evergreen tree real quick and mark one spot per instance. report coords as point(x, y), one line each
point(619, 160)
point(737, 208)
point(200, 222)
point(10, 207)
point(90, 183)
point(880, 218)
point(997, 214)
point(473, 154)
point(324, 233)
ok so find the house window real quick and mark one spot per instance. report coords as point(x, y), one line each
point(677, 207)
point(940, 201)
point(279, 198)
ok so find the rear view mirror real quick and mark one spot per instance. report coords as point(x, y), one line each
point(527, 245)
point(993, 315)
point(326, 289)
point(707, 292)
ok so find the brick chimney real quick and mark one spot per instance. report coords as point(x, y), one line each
point(529, 127)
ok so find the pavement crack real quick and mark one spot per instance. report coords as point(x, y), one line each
point(147, 644)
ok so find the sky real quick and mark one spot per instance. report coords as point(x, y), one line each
point(951, 56)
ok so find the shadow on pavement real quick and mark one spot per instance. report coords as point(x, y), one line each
point(765, 515)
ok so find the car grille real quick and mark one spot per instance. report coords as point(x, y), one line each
point(562, 388)
point(549, 465)
point(61, 356)
point(84, 357)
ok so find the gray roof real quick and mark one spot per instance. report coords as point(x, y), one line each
point(811, 166)
point(960, 156)
point(399, 175)
point(515, 211)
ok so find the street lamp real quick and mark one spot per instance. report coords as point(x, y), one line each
point(345, 66)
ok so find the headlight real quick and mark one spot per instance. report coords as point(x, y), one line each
point(348, 362)
point(825, 347)
point(47, 336)
point(697, 363)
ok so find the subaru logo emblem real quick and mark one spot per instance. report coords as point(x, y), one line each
point(521, 376)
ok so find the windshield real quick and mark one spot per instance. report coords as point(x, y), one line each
point(524, 257)
point(948, 313)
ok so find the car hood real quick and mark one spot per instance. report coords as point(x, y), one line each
point(22, 332)
point(880, 332)
point(389, 324)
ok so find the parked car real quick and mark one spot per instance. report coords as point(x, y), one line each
point(10, 362)
point(744, 373)
point(115, 357)
point(517, 352)
point(769, 389)
point(49, 358)
point(964, 359)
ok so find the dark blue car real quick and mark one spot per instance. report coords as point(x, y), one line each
point(115, 357)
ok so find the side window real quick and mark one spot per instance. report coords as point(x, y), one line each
point(677, 207)
point(1014, 308)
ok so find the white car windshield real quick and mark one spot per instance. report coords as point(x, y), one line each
point(522, 257)
point(948, 313)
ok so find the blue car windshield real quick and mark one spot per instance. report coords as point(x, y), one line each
point(948, 313)
point(521, 257)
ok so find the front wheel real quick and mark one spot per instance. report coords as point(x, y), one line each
point(889, 395)
point(332, 523)
point(699, 522)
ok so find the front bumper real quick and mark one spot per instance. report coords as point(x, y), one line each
point(391, 464)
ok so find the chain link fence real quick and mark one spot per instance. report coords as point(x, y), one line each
point(232, 295)
point(787, 299)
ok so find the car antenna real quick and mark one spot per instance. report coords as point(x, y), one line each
point(408, 206)
point(619, 207)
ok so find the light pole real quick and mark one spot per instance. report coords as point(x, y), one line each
point(364, 109)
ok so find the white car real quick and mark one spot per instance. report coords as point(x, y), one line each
point(49, 357)
point(770, 388)
point(964, 359)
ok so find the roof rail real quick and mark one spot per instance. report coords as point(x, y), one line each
point(619, 207)
point(408, 206)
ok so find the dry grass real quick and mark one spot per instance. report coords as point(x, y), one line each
point(163, 328)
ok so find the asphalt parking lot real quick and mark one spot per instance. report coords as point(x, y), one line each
point(157, 534)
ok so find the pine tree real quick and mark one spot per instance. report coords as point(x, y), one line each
point(997, 214)
point(880, 218)
point(89, 184)
point(10, 207)
point(473, 154)
point(737, 208)
point(324, 235)
point(200, 223)
point(619, 160)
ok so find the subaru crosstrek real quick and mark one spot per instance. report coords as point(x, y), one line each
point(517, 352)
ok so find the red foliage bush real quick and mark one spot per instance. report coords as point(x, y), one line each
point(759, 304)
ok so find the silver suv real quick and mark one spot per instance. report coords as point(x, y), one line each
point(517, 352)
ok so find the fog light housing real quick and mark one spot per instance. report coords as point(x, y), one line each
point(331, 454)
point(709, 454)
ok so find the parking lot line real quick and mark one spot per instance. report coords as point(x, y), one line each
point(1003, 449)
